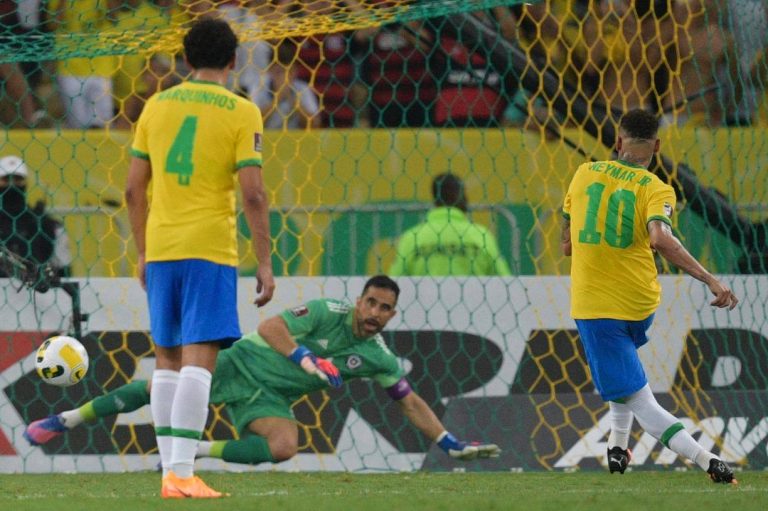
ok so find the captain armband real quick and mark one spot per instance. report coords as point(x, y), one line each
point(399, 390)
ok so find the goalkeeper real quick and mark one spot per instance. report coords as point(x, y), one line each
point(263, 373)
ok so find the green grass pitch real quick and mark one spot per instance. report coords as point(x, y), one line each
point(640, 490)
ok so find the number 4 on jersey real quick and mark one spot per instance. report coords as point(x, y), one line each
point(179, 160)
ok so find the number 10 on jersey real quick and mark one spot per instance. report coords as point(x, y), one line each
point(615, 234)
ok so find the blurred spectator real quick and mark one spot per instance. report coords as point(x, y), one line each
point(759, 77)
point(19, 107)
point(286, 102)
point(701, 88)
point(85, 84)
point(539, 35)
point(130, 89)
point(470, 92)
point(448, 243)
point(332, 66)
point(627, 49)
point(402, 90)
point(253, 56)
point(29, 232)
point(748, 26)
point(31, 22)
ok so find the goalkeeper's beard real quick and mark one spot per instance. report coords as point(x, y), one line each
point(370, 327)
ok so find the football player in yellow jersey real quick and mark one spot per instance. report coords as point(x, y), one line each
point(85, 84)
point(616, 214)
point(193, 141)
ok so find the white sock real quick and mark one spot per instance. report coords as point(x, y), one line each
point(684, 444)
point(665, 427)
point(161, 394)
point(621, 425)
point(71, 418)
point(204, 449)
point(188, 415)
point(649, 413)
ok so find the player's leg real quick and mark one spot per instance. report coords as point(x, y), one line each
point(164, 301)
point(672, 434)
point(271, 439)
point(619, 454)
point(607, 345)
point(125, 399)
point(268, 430)
point(207, 325)
point(190, 404)
point(611, 349)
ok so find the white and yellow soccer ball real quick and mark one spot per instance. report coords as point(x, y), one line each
point(61, 361)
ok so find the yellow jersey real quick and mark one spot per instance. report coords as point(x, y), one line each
point(613, 273)
point(195, 136)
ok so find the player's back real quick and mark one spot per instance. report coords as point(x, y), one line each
point(447, 244)
point(196, 136)
point(613, 273)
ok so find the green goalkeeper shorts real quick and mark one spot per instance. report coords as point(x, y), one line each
point(245, 398)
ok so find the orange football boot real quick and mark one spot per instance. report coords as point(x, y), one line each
point(175, 487)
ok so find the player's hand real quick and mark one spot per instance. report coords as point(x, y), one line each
point(320, 367)
point(466, 451)
point(475, 450)
point(141, 270)
point(724, 297)
point(265, 285)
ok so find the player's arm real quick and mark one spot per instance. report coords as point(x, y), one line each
point(670, 248)
point(139, 175)
point(275, 332)
point(565, 237)
point(256, 210)
point(421, 415)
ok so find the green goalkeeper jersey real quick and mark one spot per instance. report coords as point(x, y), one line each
point(325, 327)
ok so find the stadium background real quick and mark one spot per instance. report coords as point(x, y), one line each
point(497, 357)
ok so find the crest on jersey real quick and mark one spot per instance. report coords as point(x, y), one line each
point(300, 311)
point(668, 209)
point(257, 142)
point(353, 362)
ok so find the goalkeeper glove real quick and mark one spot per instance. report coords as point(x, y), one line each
point(466, 451)
point(320, 367)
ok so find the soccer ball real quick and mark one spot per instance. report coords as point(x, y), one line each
point(61, 361)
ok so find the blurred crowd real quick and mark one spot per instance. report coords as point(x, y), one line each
point(694, 62)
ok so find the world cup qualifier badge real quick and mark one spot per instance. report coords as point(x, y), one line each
point(300, 311)
point(257, 142)
point(668, 209)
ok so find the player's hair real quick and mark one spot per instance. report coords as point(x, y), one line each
point(210, 44)
point(640, 124)
point(448, 190)
point(383, 282)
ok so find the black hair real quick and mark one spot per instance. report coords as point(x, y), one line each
point(210, 44)
point(383, 282)
point(640, 124)
point(448, 190)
